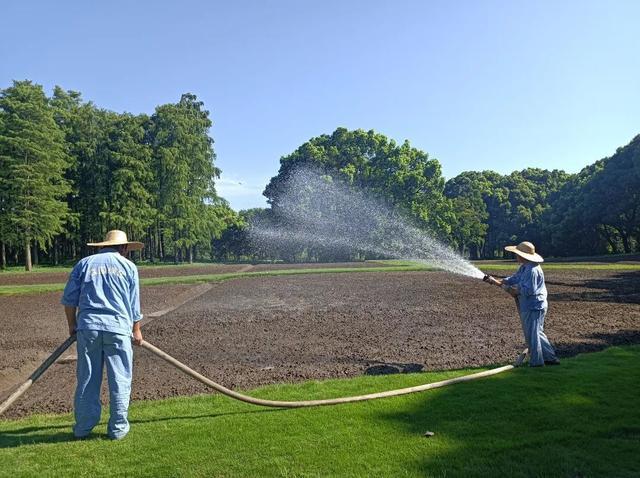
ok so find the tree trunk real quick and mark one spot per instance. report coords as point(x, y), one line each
point(625, 242)
point(151, 245)
point(27, 255)
point(56, 253)
point(3, 256)
point(190, 254)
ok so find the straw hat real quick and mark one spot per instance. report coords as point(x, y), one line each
point(525, 250)
point(117, 238)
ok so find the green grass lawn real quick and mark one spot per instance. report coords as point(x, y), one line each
point(579, 419)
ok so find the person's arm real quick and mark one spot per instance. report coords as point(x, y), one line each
point(70, 312)
point(530, 283)
point(508, 284)
point(71, 298)
point(137, 334)
point(135, 307)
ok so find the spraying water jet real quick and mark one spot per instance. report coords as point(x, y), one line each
point(317, 212)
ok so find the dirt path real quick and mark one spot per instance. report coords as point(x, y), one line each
point(249, 332)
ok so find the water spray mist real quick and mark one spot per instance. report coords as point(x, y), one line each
point(318, 211)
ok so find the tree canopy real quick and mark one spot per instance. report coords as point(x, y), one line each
point(401, 175)
point(70, 171)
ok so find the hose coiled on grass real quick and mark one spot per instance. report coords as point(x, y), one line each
point(317, 403)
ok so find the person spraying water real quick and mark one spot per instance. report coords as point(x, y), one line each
point(528, 288)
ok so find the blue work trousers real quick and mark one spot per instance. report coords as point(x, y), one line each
point(540, 349)
point(96, 348)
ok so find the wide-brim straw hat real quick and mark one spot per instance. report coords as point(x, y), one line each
point(525, 250)
point(117, 238)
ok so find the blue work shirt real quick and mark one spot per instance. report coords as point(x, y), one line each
point(106, 290)
point(530, 281)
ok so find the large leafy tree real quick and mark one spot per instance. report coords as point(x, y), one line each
point(511, 207)
point(469, 229)
point(400, 175)
point(612, 196)
point(567, 229)
point(33, 161)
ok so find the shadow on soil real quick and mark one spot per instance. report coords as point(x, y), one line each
point(623, 287)
point(388, 368)
point(578, 419)
point(598, 342)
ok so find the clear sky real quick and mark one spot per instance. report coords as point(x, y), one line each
point(499, 85)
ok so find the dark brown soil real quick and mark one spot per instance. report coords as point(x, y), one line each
point(254, 331)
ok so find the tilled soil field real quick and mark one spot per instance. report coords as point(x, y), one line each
point(249, 332)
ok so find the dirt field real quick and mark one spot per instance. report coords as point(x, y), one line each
point(249, 332)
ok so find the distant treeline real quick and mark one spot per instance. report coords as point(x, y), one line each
point(70, 171)
point(596, 211)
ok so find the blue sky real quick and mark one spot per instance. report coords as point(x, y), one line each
point(499, 85)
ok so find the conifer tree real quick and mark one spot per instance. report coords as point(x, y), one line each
point(33, 161)
point(183, 161)
point(127, 204)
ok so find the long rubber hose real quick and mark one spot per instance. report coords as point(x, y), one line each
point(39, 371)
point(316, 403)
point(71, 339)
point(246, 398)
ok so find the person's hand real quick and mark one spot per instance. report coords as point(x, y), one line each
point(137, 337)
point(72, 330)
point(492, 280)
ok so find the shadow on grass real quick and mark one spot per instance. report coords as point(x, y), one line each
point(579, 419)
point(34, 435)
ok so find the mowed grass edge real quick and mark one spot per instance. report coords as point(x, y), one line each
point(578, 419)
point(203, 278)
point(394, 266)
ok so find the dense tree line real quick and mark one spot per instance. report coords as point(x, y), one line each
point(596, 211)
point(70, 171)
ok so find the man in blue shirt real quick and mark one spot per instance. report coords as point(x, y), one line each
point(102, 305)
point(527, 286)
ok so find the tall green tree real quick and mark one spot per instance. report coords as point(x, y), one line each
point(470, 227)
point(127, 203)
point(85, 128)
point(400, 175)
point(183, 161)
point(33, 161)
point(612, 196)
point(512, 209)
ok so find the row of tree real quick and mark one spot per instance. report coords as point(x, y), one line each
point(70, 171)
point(596, 211)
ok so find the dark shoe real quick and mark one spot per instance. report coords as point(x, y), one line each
point(552, 362)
